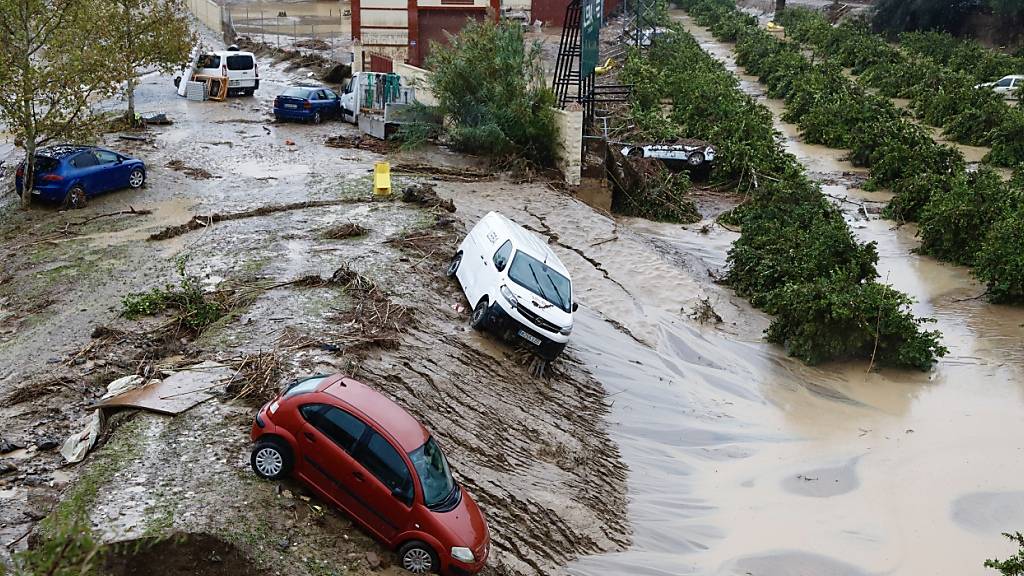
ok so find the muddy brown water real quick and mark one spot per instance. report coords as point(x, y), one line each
point(743, 461)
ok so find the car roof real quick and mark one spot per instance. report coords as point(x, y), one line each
point(58, 151)
point(524, 240)
point(231, 53)
point(389, 416)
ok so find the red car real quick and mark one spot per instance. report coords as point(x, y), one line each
point(360, 450)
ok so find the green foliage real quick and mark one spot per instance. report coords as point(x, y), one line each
point(1000, 262)
point(69, 550)
point(194, 309)
point(664, 196)
point(52, 69)
point(1014, 565)
point(955, 220)
point(936, 71)
point(912, 194)
point(834, 318)
point(1008, 140)
point(490, 85)
point(149, 34)
point(792, 238)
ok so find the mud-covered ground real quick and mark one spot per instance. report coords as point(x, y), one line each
point(533, 451)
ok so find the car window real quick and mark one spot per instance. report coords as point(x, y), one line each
point(321, 95)
point(84, 160)
point(45, 164)
point(341, 427)
point(296, 92)
point(1004, 82)
point(330, 94)
point(303, 386)
point(435, 475)
point(209, 61)
point(240, 62)
point(543, 281)
point(105, 156)
point(384, 462)
point(501, 256)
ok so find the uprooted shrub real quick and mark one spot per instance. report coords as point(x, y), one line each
point(194, 308)
point(1000, 262)
point(833, 318)
point(955, 220)
point(489, 84)
point(645, 188)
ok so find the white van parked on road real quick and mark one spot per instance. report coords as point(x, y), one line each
point(516, 285)
point(239, 67)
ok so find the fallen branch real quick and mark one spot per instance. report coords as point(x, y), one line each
point(443, 173)
point(202, 221)
point(130, 210)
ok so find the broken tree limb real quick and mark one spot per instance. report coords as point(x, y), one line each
point(202, 221)
point(130, 210)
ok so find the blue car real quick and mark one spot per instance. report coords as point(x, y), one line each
point(72, 174)
point(308, 104)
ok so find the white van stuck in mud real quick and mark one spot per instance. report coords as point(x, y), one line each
point(516, 285)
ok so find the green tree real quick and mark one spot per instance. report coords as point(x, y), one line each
point(55, 61)
point(149, 34)
point(1014, 565)
point(489, 83)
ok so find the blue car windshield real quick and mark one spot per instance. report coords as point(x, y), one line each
point(296, 92)
point(435, 476)
point(543, 281)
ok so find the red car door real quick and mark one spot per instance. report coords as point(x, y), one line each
point(383, 480)
point(328, 436)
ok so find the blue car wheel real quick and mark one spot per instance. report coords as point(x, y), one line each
point(75, 199)
point(137, 178)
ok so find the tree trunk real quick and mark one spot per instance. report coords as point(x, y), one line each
point(29, 177)
point(131, 101)
point(780, 5)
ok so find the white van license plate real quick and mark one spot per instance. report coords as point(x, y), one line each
point(529, 337)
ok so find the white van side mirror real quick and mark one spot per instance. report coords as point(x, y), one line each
point(575, 306)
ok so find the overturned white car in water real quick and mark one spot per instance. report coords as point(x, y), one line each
point(516, 285)
point(689, 154)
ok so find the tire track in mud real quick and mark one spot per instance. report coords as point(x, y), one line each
point(534, 453)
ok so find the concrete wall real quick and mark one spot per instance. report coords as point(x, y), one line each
point(570, 136)
point(208, 13)
point(416, 77)
point(552, 12)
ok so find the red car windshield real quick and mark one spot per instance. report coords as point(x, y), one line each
point(435, 477)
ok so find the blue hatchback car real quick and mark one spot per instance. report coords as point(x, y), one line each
point(72, 174)
point(308, 104)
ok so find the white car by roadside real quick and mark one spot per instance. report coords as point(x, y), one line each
point(1009, 87)
point(516, 285)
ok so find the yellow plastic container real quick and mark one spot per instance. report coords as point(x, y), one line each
point(382, 179)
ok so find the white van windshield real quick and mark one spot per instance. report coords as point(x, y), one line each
point(538, 278)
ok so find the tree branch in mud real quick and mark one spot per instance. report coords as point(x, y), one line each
point(204, 221)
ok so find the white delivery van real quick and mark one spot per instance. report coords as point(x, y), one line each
point(239, 67)
point(516, 285)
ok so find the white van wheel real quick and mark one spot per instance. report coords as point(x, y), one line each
point(454, 266)
point(481, 317)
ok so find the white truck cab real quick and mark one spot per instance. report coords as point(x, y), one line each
point(516, 285)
